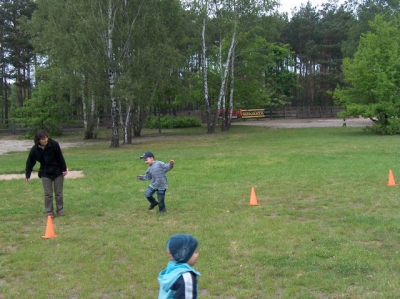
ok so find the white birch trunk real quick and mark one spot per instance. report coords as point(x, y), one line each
point(232, 85)
point(121, 120)
point(205, 80)
point(92, 117)
point(226, 72)
point(127, 123)
point(92, 108)
point(222, 89)
point(89, 114)
point(112, 77)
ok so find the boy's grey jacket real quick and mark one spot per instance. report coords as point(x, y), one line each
point(156, 173)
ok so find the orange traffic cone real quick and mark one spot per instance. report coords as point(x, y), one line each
point(391, 181)
point(253, 198)
point(50, 233)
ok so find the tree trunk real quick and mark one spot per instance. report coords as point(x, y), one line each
point(159, 120)
point(126, 124)
point(222, 101)
point(90, 116)
point(232, 86)
point(5, 94)
point(222, 90)
point(205, 82)
point(111, 78)
point(137, 120)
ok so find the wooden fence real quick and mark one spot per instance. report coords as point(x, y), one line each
point(303, 112)
point(285, 112)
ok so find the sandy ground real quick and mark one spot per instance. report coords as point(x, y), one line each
point(34, 175)
point(11, 144)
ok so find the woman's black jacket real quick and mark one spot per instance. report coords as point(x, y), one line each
point(51, 159)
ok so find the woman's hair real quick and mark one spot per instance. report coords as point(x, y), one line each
point(39, 135)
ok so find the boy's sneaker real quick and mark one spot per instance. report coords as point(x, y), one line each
point(61, 213)
point(153, 205)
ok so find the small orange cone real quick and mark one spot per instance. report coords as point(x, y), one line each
point(391, 181)
point(253, 198)
point(50, 233)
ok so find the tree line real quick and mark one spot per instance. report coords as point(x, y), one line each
point(63, 59)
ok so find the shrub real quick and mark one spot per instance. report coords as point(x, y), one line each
point(43, 111)
point(392, 128)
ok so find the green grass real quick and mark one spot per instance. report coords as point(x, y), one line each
point(327, 225)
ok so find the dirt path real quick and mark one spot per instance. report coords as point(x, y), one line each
point(10, 144)
point(71, 175)
point(306, 123)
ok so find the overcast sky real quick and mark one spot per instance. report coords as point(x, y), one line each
point(287, 5)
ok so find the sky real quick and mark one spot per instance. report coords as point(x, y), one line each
point(287, 5)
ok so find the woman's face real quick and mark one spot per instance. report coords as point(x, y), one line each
point(43, 141)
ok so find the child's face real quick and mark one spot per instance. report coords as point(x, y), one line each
point(149, 161)
point(193, 260)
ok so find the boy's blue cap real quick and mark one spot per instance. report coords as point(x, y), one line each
point(182, 247)
point(147, 155)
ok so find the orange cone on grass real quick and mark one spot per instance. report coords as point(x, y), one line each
point(391, 181)
point(50, 233)
point(253, 198)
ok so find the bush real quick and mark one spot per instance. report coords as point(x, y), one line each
point(44, 111)
point(172, 122)
point(392, 128)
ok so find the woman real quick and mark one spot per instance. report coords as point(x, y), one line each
point(52, 170)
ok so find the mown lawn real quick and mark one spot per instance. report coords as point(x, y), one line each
point(327, 226)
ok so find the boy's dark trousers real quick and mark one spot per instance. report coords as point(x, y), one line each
point(160, 196)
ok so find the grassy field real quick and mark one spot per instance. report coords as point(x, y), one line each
point(327, 226)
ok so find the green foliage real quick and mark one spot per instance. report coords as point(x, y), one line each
point(373, 77)
point(44, 111)
point(171, 122)
point(391, 127)
point(16, 50)
point(267, 82)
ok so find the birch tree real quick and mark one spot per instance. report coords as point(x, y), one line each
point(117, 51)
point(100, 36)
point(152, 73)
point(229, 17)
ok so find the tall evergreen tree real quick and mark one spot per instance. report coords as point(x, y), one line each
point(16, 50)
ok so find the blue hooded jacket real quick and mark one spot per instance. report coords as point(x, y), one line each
point(169, 276)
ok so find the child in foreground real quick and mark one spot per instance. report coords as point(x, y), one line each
point(179, 279)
